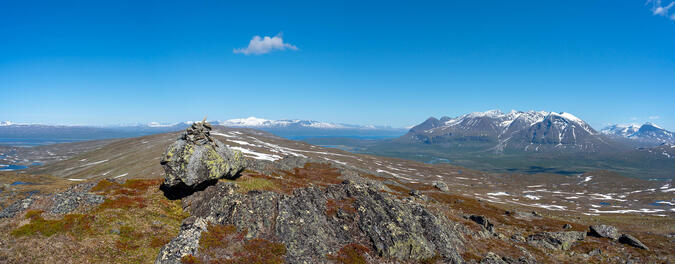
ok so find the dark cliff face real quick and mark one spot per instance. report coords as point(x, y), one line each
point(311, 227)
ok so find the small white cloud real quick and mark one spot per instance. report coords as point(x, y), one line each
point(659, 10)
point(633, 118)
point(654, 117)
point(258, 45)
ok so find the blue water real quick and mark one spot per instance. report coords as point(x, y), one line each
point(12, 167)
point(21, 183)
point(31, 142)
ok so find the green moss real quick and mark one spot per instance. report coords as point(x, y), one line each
point(105, 186)
point(74, 224)
point(33, 214)
point(258, 184)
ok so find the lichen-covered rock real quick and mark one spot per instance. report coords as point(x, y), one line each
point(631, 241)
point(556, 240)
point(196, 158)
point(607, 231)
point(315, 222)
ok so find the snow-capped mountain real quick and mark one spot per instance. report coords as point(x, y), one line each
point(254, 122)
point(620, 130)
point(516, 130)
point(297, 128)
point(647, 133)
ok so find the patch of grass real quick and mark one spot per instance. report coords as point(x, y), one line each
point(247, 184)
point(74, 224)
point(141, 185)
point(216, 236)
point(431, 260)
point(124, 202)
point(129, 239)
point(259, 251)
point(190, 259)
point(351, 254)
point(105, 186)
point(30, 214)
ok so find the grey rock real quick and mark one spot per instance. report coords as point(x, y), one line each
point(115, 231)
point(607, 231)
point(196, 158)
point(16, 208)
point(567, 226)
point(556, 240)
point(632, 241)
point(441, 186)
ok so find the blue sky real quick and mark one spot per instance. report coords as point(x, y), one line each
point(377, 62)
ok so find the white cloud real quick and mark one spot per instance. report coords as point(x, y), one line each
point(654, 117)
point(258, 45)
point(659, 10)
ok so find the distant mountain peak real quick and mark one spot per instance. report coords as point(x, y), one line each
point(648, 132)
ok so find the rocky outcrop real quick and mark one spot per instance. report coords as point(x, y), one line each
point(556, 240)
point(196, 158)
point(631, 241)
point(315, 222)
point(607, 231)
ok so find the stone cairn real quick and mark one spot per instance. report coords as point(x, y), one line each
point(199, 134)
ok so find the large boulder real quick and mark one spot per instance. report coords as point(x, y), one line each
point(196, 158)
point(631, 241)
point(607, 231)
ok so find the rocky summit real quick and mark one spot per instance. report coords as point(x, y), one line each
point(196, 158)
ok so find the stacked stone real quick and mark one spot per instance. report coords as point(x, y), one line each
point(199, 133)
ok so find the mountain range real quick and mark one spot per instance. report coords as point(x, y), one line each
point(285, 128)
point(532, 131)
point(647, 133)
